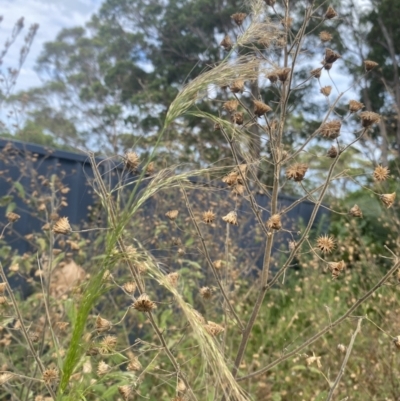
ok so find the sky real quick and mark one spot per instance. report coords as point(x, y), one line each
point(52, 16)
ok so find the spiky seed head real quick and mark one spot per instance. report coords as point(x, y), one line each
point(330, 13)
point(108, 343)
point(12, 217)
point(172, 214)
point(326, 90)
point(173, 278)
point(231, 105)
point(132, 160)
point(129, 287)
point(231, 218)
point(34, 336)
point(217, 264)
point(274, 222)
point(296, 172)
point(206, 292)
point(369, 118)
point(208, 217)
point(143, 304)
point(370, 65)
point(325, 36)
point(332, 152)
point(341, 348)
point(125, 391)
point(226, 43)
point(326, 243)
point(102, 325)
point(331, 56)
point(355, 211)
point(260, 108)
point(381, 173)
point(355, 106)
point(331, 129)
point(5, 377)
point(50, 376)
point(237, 86)
point(272, 77)
point(237, 118)
point(336, 268)
point(2, 288)
point(283, 74)
point(316, 73)
point(388, 199)
point(213, 328)
point(239, 18)
point(62, 226)
point(134, 364)
point(102, 368)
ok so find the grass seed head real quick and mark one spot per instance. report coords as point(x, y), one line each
point(239, 18)
point(326, 243)
point(355, 211)
point(296, 172)
point(144, 304)
point(369, 118)
point(12, 217)
point(62, 226)
point(231, 218)
point(388, 199)
point(260, 108)
point(381, 173)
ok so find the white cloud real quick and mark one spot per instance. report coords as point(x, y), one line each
point(52, 16)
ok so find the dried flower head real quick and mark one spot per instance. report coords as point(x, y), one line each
point(336, 268)
point(231, 179)
point(296, 171)
point(327, 66)
point(274, 222)
point(369, 118)
point(331, 129)
point(125, 391)
point(12, 217)
point(311, 359)
point(206, 292)
point(237, 86)
point(129, 287)
point(326, 243)
point(108, 344)
point(325, 36)
point(237, 118)
point(172, 214)
point(50, 376)
point(3, 287)
point(283, 74)
point(388, 199)
point(341, 348)
point(231, 218)
point(316, 73)
point(102, 368)
point(150, 168)
point(332, 152)
point(226, 43)
point(132, 160)
point(331, 56)
point(217, 264)
point(396, 341)
point(143, 304)
point(355, 211)
point(134, 364)
point(172, 278)
point(239, 18)
point(5, 377)
point(260, 108)
point(381, 173)
point(62, 326)
point(213, 328)
point(355, 106)
point(62, 226)
point(330, 13)
point(270, 2)
point(238, 189)
point(231, 105)
point(326, 90)
point(102, 324)
point(208, 217)
point(217, 127)
point(287, 22)
point(370, 65)
point(272, 77)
